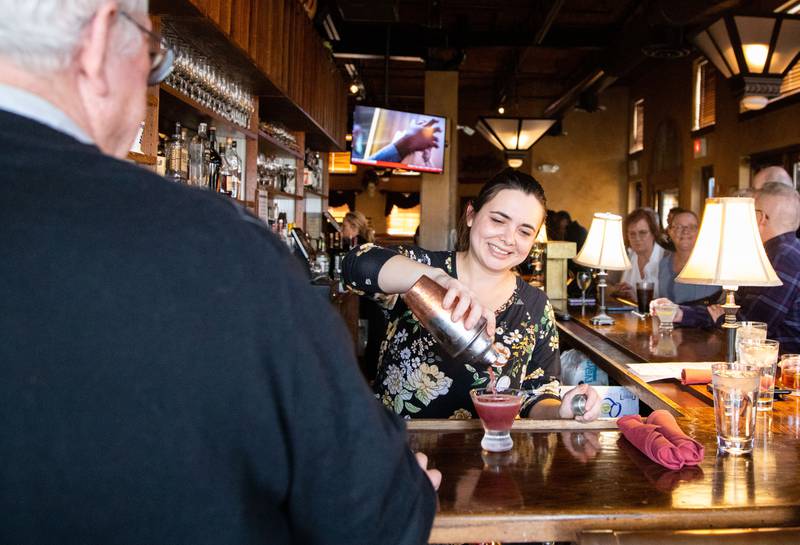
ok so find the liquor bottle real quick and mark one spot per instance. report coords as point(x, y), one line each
point(234, 169)
point(197, 157)
point(224, 170)
point(184, 156)
point(174, 154)
point(213, 160)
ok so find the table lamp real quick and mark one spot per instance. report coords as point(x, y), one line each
point(729, 253)
point(604, 249)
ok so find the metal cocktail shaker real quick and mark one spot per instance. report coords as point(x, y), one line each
point(469, 345)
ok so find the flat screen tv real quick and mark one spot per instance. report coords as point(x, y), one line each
point(395, 139)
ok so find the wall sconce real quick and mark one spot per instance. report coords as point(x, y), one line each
point(753, 52)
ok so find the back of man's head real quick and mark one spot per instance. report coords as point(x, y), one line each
point(41, 36)
point(785, 205)
point(772, 174)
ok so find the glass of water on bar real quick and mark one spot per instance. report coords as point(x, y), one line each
point(750, 330)
point(735, 387)
point(762, 353)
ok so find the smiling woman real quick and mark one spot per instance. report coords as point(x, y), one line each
point(416, 379)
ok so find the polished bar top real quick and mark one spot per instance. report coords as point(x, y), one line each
point(641, 340)
point(634, 340)
point(554, 484)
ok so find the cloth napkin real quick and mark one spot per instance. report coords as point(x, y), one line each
point(691, 451)
point(661, 439)
point(695, 376)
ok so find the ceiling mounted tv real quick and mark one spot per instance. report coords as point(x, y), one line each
point(395, 139)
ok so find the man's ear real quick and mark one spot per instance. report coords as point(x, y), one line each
point(95, 46)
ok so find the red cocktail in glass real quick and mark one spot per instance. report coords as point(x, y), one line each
point(497, 412)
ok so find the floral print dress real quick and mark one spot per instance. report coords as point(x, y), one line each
point(416, 379)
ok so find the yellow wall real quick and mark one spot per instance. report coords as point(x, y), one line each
point(591, 159)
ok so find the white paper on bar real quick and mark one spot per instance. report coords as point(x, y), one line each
point(651, 372)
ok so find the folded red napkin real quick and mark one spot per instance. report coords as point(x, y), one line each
point(650, 441)
point(661, 439)
point(691, 450)
point(695, 376)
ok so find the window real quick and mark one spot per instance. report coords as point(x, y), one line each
point(704, 95)
point(339, 163)
point(637, 126)
point(339, 212)
point(403, 221)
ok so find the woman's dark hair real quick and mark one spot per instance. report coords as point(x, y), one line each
point(508, 178)
point(646, 214)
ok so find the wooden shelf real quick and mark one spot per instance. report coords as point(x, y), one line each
point(283, 194)
point(317, 193)
point(141, 158)
point(175, 106)
point(276, 146)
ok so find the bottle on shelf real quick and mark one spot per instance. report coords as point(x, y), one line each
point(184, 155)
point(174, 152)
point(197, 157)
point(224, 170)
point(323, 261)
point(161, 156)
point(213, 160)
point(234, 169)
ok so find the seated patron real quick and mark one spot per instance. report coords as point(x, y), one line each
point(640, 229)
point(683, 233)
point(778, 215)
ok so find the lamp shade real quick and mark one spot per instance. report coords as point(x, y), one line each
point(728, 251)
point(604, 247)
point(513, 134)
point(756, 52)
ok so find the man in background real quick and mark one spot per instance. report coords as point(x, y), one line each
point(778, 214)
point(167, 376)
point(771, 174)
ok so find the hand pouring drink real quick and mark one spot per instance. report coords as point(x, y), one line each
point(469, 345)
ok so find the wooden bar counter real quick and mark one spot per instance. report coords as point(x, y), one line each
point(563, 478)
point(633, 340)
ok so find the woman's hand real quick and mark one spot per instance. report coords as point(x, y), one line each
point(623, 289)
point(592, 404)
point(464, 303)
point(661, 300)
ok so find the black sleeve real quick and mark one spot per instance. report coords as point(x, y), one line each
point(352, 476)
point(363, 264)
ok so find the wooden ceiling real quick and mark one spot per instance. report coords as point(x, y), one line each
point(539, 56)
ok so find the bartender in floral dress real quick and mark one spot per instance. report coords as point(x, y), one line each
point(415, 378)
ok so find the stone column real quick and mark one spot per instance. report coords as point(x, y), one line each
point(439, 192)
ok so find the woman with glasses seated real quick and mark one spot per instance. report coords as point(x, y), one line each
point(683, 232)
point(640, 229)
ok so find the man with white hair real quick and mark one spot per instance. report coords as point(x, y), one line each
point(771, 174)
point(166, 374)
point(778, 213)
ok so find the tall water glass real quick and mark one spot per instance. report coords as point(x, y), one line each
point(735, 387)
point(764, 354)
point(750, 330)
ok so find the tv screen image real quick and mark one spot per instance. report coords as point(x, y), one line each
point(394, 139)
